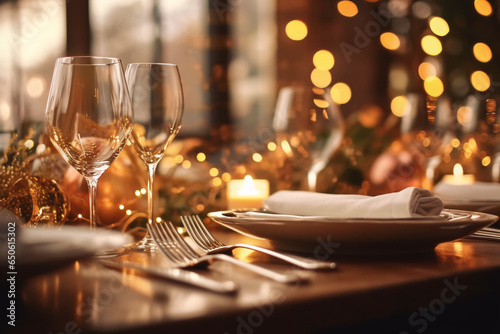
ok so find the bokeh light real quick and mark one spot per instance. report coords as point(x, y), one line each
point(426, 69)
point(296, 30)
point(431, 45)
point(341, 93)
point(321, 78)
point(347, 8)
point(439, 26)
point(390, 41)
point(482, 52)
point(399, 105)
point(201, 157)
point(464, 115)
point(480, 81)
point(323, 60)
point(321, 103)
point(483, 7)
point(421, 9)
point(433, 86)
point(35, 86)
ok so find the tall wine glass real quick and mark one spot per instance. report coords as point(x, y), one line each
point(158, 102)
point(89, 116)
point(317, 132)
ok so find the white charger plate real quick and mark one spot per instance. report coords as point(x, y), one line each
point(318, 235)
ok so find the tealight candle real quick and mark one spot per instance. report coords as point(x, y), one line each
point(247, 193)
point(458, 177)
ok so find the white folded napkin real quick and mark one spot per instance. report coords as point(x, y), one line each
point(478, 191)
point(408, 203)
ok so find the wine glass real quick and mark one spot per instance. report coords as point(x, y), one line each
point(158, 102)
point(310, 127)
point(89, 116)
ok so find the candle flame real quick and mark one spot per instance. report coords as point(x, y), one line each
point(248, 186)
point(458, 170)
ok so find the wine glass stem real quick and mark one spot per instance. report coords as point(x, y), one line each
point(92, 185)
point(151, 176)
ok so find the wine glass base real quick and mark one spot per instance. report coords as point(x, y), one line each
point(112, 252)
point(147, 245)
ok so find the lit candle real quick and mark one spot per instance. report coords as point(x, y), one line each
point(458, 176)
point(247, 193)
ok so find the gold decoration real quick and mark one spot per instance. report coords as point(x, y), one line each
point(34, 200)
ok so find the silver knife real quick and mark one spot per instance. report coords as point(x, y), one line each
point(178, 275)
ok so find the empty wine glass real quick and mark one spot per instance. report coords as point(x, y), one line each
point(158, 102)
point(89, 116)
point(310, 127)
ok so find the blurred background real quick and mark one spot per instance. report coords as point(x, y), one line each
point(365, 96)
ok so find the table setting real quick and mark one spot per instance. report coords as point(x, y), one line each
point(142, 107)
point(96, 109)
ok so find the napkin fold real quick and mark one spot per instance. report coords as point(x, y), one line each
point(478, 191)
point(407, 203)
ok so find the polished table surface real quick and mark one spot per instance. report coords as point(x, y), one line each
point(454, 289)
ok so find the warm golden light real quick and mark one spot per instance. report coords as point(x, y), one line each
point(464, 114)
point(271, 146)
point(341, 93)
point(458, 170)
point(179, 159)
point(439, 26)
point(486, 161)
point(296, 30)
point(455, 142)
point(399, 105)
point(431, 45)
point(257, 157)
point(433, 86)
point(217, 181)
point(323, 60)
point(390, 41)
point(213, 172)
point(482, 52)
point(226, 177)
point(321, 78)
point(483, 7)
point(201, 157)
point(321, 103)
point(426, 69)
point(186, 164)
point(347, 8)
point(35, 86)
point(286, 147)
point(480, 81)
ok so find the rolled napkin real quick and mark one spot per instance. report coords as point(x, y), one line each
point(478, 191)
point(408, 203)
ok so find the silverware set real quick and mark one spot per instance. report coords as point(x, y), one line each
point(487, 233)
point(184, 256)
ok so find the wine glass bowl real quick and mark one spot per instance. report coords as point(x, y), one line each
point(89, 116)
point(158, 102)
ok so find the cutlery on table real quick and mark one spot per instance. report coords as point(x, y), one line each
point(184, 256)
point(487, 233)
point(209, 244)
point(178, 275)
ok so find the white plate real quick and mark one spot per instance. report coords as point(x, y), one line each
point(38, 249)
point(355, 236)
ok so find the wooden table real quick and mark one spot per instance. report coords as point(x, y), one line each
point(452, 290)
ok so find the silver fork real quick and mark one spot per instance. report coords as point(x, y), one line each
point(210, 245)
point(487, 233)
point(184, 256)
